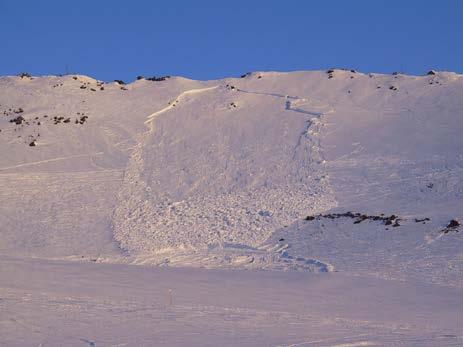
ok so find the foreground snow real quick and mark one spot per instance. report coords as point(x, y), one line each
point(56, 303)
point(222, 175)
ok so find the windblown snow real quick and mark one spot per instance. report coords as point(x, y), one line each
point(311, 171)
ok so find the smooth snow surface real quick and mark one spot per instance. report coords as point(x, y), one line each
point(54, 303)
point(222, 175)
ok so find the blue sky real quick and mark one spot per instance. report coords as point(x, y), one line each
point(211, 39)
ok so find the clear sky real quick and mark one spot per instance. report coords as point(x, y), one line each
point(212, 38)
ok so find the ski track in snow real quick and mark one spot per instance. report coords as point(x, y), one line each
point(50, 161)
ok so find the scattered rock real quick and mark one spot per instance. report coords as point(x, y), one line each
point(264, 213)
point(359, 218)
point(452, 226)
point(57, 119)
point(18, 120)
point(157, 79)
point(83, 119)
point(33, 143)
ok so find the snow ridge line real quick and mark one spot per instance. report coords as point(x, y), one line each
point(177, 99)
point(298, 101)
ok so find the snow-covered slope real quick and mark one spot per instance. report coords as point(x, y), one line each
point(62, 303)
point(223, 173)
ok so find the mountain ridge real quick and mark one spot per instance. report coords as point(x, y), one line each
point(222, 173)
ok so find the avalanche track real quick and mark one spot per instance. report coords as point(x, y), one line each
point(234, 209)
